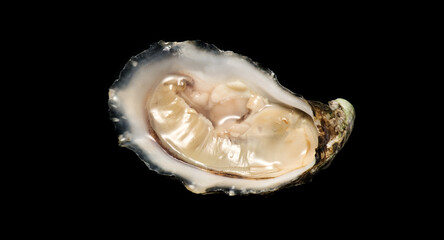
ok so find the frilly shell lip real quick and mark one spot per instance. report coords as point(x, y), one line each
point(162, 49)
point(333, 136)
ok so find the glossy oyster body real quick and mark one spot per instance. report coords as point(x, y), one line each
point(218, 122)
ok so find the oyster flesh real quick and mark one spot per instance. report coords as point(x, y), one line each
point(218, 122)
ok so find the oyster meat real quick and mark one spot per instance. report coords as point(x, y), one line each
point(218, 122)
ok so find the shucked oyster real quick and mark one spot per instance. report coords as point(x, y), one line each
point(218, 122)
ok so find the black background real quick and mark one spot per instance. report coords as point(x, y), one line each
point(89, 176)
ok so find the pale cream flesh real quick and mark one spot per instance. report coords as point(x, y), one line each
point(230, 129)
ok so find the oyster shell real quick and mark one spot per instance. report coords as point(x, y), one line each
point(218, 122)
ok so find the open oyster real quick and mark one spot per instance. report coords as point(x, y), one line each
point(218, 122)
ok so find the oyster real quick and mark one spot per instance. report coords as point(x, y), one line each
point(218, 122)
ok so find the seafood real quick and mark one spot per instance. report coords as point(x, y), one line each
point(218, 122)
